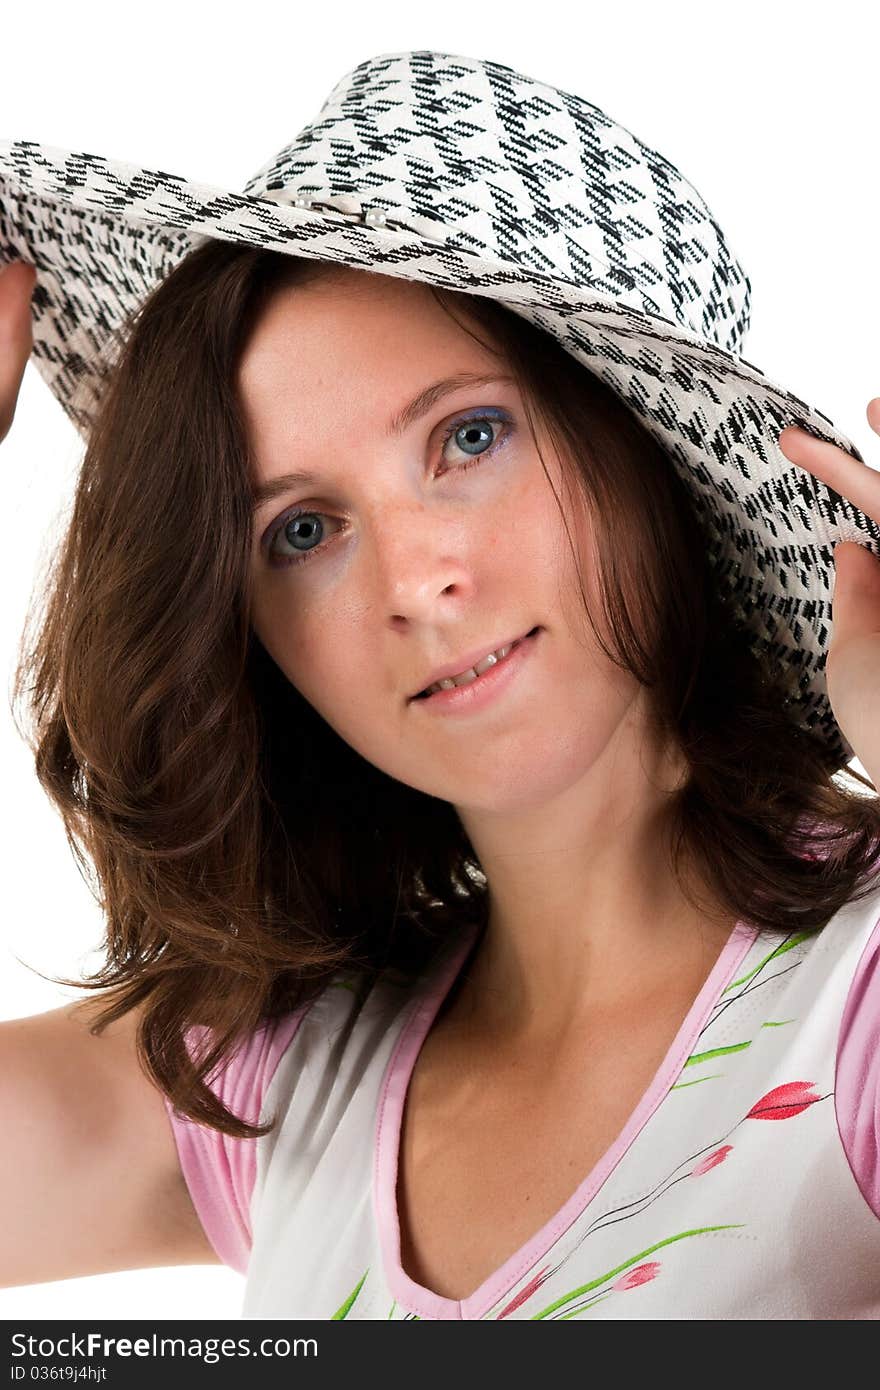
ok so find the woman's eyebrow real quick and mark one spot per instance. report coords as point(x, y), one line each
point(414, 410)
point(429, 397)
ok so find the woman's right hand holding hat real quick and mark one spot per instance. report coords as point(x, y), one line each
point(17, 280)
point(852, 668)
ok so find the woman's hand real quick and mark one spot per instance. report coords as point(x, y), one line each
point(17, 281)
point(852, 667)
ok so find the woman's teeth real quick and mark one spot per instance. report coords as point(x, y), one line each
point(470, 675)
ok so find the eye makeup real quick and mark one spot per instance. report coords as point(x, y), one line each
point(491, 415)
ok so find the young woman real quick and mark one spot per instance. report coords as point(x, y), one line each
point(486, 935)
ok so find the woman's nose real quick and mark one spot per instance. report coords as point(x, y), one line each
point(423, 566)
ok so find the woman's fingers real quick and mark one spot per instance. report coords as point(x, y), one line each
point(858, 482)
point(16, 335)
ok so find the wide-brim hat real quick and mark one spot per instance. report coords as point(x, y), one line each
point(460, 172)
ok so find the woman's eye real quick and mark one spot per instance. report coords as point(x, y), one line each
point(303, 531)
point(475, 437)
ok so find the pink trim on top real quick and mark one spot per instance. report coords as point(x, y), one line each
point(857, 1085)
point(387, 1152)
point(219, 1170)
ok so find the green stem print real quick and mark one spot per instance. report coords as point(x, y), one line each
point(627, 1264)
point(344, 1309)
point(779, 951)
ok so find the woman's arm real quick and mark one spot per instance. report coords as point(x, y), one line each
point(90, 1180)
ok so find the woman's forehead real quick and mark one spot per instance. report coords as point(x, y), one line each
point(367, 353)
point(326, 313)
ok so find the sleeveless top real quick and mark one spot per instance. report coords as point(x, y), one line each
point(746, 1183)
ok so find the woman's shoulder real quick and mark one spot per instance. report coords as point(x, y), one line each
point(845, 939)
point(352, 1003)
point(857, 1073)
point(840, 969)
point(258, 1079)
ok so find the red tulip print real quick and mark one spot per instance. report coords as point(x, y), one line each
point(785, 1101)
point(711, 1160)
point(642, 1274)
point(525, 1292)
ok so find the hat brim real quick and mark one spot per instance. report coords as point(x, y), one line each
point(102, 234)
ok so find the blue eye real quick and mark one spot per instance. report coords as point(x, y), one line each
point(298, 525)
point(312, 534)
point(471, 427)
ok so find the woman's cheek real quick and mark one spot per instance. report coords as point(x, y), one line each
point(327, 666)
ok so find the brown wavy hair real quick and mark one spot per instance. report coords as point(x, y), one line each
point(243, 854)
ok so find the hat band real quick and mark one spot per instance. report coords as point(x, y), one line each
point(344, 208)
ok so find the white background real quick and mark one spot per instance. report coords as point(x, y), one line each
point(769, 109)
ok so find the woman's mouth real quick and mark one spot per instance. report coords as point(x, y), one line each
point(472, 689)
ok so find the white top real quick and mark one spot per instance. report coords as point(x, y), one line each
point(743, 1186)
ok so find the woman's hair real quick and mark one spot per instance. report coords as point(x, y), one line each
point(243, 853)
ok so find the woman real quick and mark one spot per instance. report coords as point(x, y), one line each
point(464, 924)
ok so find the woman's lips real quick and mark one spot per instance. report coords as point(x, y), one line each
point(452, 670)
point(492, 682)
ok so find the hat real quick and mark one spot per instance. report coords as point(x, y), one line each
point(463, 173)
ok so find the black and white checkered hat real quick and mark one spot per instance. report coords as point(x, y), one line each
point(463, 173)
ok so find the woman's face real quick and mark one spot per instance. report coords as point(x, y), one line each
point(414, 551)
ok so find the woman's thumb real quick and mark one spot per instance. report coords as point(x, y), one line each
point(17, 282)
point(855, 597)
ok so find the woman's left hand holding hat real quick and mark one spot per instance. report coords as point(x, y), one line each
point(852, 668)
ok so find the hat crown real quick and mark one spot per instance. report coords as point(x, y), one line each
point(509, 169)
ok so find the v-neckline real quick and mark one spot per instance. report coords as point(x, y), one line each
point(392, 1098)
